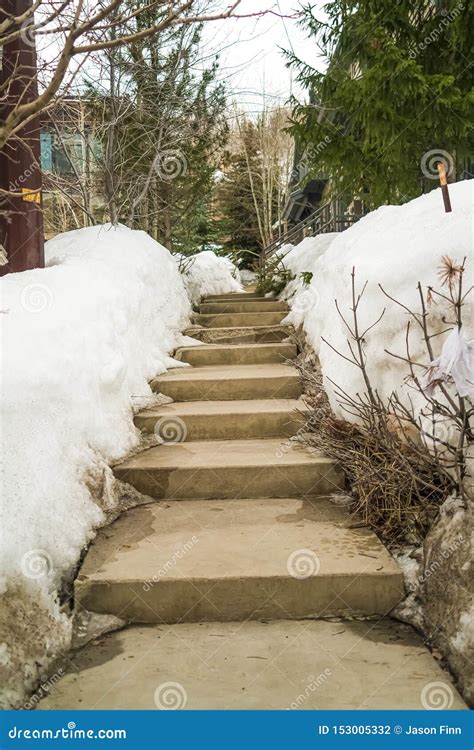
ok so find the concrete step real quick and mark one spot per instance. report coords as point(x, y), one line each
point(236, 354)
point(230, 469)
point(237, 320)
point(231, 382)
point(224, 420)
point(303, 664)
point(234, 296)
point(247, 560)
point(245, 306)
point(242, 335)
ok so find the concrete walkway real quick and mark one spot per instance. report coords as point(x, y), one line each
point(244, 584)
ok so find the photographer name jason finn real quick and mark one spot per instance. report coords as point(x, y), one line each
point(443, 729)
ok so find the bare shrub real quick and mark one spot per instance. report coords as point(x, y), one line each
point(400, 471)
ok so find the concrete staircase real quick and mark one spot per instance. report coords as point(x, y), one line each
point(241, 531)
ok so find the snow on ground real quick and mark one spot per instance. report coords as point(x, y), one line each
point(81, 340)
point(247, 276)
point(395, 246)
point(301, 260)
point(207, 273)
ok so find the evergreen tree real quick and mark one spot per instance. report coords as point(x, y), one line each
point(398, 85)
point(238, 219)
point(255, 182)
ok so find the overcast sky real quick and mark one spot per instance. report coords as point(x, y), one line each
point(250, 56)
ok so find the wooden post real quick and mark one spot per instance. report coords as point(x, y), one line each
point(444, 186)
point(21, 218)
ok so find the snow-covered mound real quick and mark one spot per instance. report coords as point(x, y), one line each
point(301, 260)
point(207, 273)
point(80, 340)
point(247, 276)
point(395, 246)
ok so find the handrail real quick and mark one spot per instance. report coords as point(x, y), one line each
point(322, 220)
point(294, 231)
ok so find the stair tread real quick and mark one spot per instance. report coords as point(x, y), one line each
point(274, 315)
point(235, 296)
point(243, 347)
point(230, 372)
point(258, 328)
point(212, 454)
point(283, 664)
point(239, 539)
point(242, 306)
point(244, 406)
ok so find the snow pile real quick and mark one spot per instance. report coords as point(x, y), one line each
point(392, 249)
point(395, 246)
point(301, 260)
point(283, 250)
point(81, 340)
point(247, 276)
point(207, 273)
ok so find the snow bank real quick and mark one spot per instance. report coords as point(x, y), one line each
point(299, 260)
point(247, 276)
point(396, 246)
point(208, 273)
point(81, 340)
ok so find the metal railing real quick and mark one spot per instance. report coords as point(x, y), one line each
point(331, 217)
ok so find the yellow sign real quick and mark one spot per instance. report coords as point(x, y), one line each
point(31, 196)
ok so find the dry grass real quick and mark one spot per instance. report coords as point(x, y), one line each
point(397, 486)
